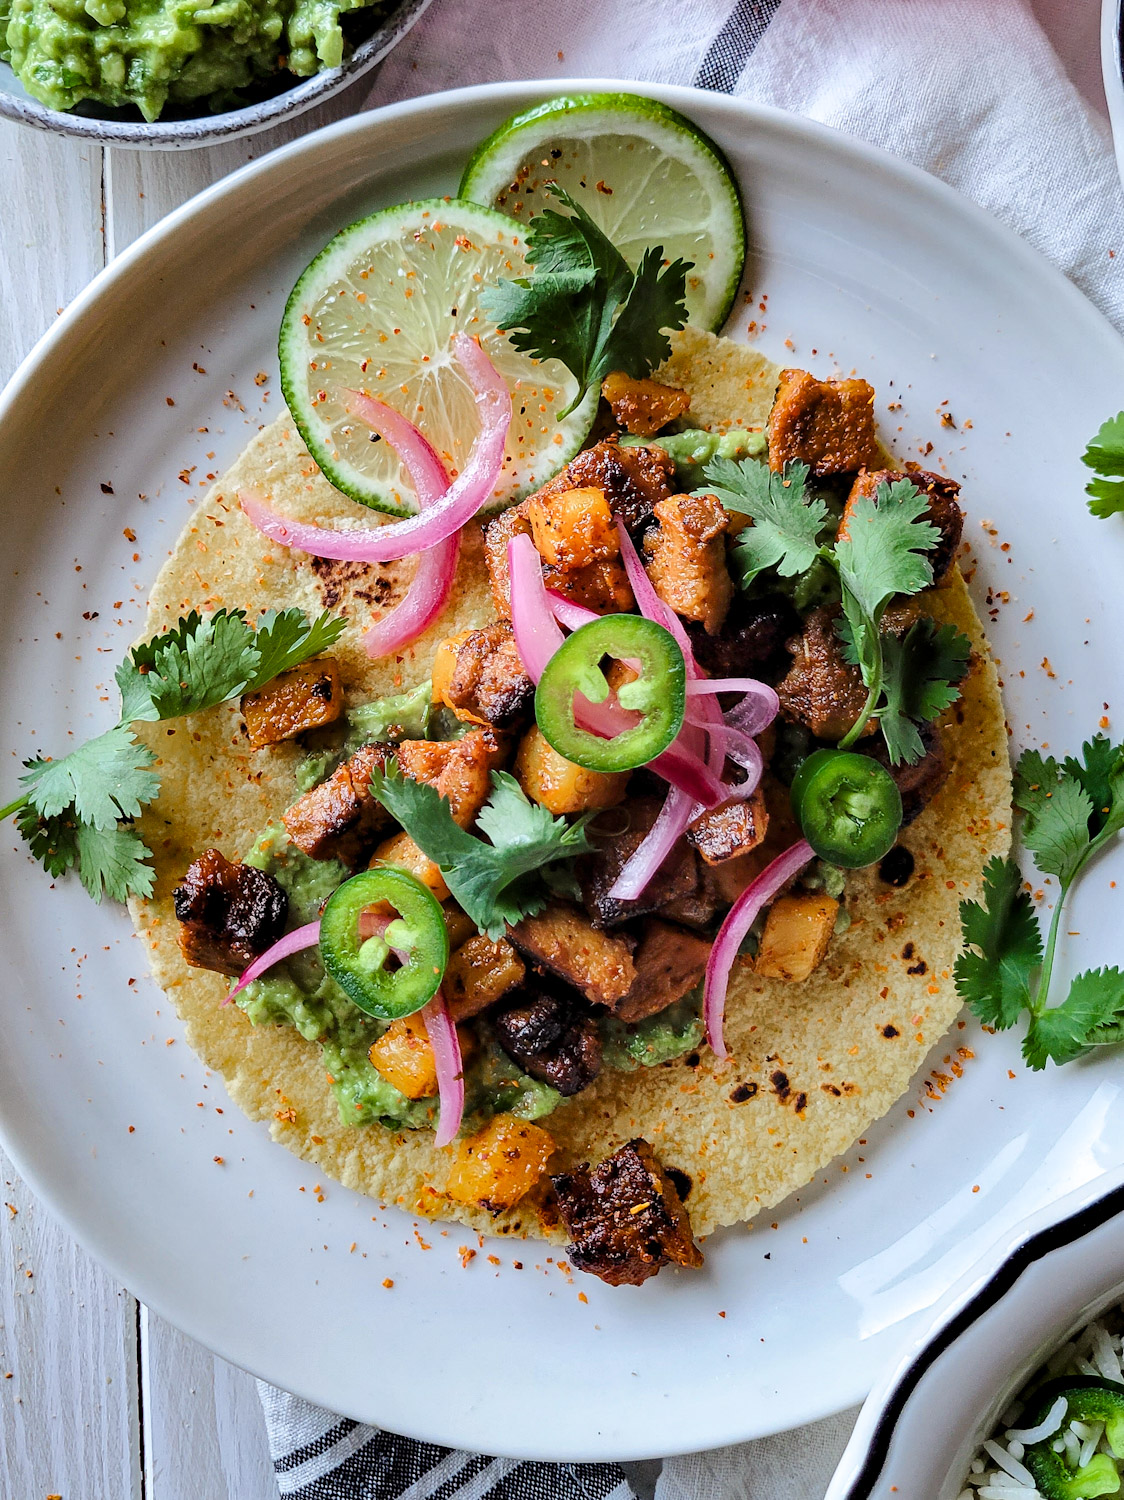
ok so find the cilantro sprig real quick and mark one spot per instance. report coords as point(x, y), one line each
point(1071, 810)
point(496, 883)
point(584, 305)
point(1105, 456)
point(883, 555)
point(77, 812)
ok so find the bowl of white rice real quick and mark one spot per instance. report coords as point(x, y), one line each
point(1015, 1390)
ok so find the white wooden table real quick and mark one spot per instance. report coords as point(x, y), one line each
point(99, 1398)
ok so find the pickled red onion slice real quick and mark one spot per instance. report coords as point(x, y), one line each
point(301, 937)
point(739, 919)
point(449, 1066)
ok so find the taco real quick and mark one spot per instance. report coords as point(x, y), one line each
point(581, 1022)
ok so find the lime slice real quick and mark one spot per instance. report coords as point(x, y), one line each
point(376, 311)
point(643, 173)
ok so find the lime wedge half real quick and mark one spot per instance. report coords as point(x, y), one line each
point(643, 172)
point(376, 311)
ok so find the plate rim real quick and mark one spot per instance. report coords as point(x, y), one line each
point(808, 135)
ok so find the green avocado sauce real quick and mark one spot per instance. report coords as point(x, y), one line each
point(298, 993)
point(150, 53)
point(693, 449)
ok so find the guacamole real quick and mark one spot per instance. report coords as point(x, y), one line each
point(148, 53)
point(693, 448)
point(298, 993)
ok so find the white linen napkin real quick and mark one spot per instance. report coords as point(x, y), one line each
point(971, 90)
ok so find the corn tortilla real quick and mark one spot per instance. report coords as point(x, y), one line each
point(813, 1063)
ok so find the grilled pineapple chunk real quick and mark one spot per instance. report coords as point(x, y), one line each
point(797, 932)
point(500, 1164)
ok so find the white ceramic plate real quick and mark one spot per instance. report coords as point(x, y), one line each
point(863, 264)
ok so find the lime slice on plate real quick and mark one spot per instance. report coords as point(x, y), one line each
point(643, 173)
point(376, 311)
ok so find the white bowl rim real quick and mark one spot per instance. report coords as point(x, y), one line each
point(976, 1294)
point(208, 130)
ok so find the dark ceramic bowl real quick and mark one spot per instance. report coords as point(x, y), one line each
point(372, 37)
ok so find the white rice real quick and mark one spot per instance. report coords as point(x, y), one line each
point(997, 1471)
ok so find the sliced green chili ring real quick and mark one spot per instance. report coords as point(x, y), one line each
point(658, 694)
point(369, 970)
point(848, 807)
point(1087, 1400)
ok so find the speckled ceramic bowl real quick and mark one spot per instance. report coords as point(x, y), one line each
point(126, 127)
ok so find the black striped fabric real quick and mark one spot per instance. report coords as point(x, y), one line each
point(733, 44)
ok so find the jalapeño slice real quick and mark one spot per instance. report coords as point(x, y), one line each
point(848, 807)
point(395, 971)
point(1087, 1400)
point(658, 694)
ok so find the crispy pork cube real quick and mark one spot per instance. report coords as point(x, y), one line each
point(676, 879)
point(573, 528)
point(632, 480)
point(479, 972)
point(550, 1038)
point(625, 1218)
point(560, 940)
point(826, 424)
point(404, 1057)
point(669, 962)
point(340, 819)
point(642, 407)
point(461, 770)
point(401, 850)
point(558, 784)
point(751, 639)
point(458, 924)
point(602, 586)
point(798, 929)
point(821, 689)
point(732, 828)
point(500, 1164)
point(229, 913)
point(303, 698)
point(478, 675)
point(920, 782)
point(686, 557)
point(944, 509)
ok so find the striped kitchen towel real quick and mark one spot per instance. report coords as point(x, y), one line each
point(971, 90)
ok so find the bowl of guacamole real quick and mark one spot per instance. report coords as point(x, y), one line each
point(174, 73)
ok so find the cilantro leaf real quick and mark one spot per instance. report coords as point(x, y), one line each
point(1105, 455)
point(786, 524)
point(1057, 811)
point(583, 305)
point(1091, 1014)
point(285, 638)
point(497, 883)
point(103, 780)
point(1101, 772)
point(112, 861)
point(995, 980)
point(52, 841)
point(195, 666)
point(883, 551)
point(922, 673)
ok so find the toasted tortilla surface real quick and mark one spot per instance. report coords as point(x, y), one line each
point(812, 1064)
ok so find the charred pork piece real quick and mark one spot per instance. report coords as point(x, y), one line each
point(478, 675)
point(303, 698)
point(919, 783)
point(686, 557)
point(822, 690)
point(497, 534)
point(642, 407)
point(676, 878)
point(730, 829)
point(751, 641)
point(944, 508)
point(600, 585)
point(340, 819)
point(826, 424)
point(625, 1218)
point(573, 528)
point(669, 962)
point(479, 972)
point(561, 941)
point(549, 1037)
point(461, 770)
point(229, 913)
point(633, 480)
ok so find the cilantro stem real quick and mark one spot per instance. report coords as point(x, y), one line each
point(12, 808)
point(1038, 1001)
point(872, 697)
